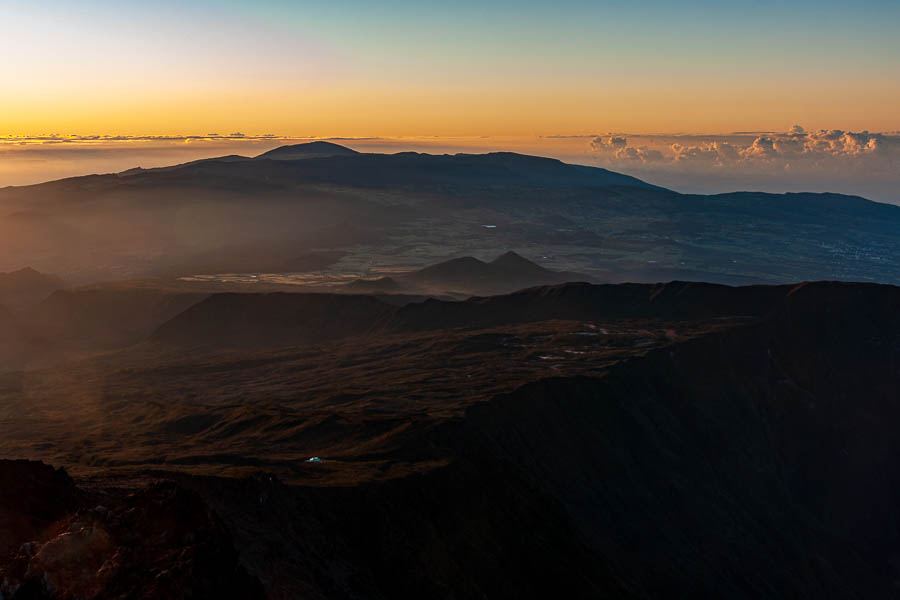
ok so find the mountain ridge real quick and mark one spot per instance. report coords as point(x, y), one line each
point(612, 227)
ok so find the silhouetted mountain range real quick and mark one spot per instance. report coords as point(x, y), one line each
point(468, 276)
point(258, 215)
point(508, 271)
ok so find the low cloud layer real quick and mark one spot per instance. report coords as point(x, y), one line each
point(53, 138)
point(859, 162)
point(793, 145)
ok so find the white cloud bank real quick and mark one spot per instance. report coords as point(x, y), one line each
point(855, 162)
point(736, 148)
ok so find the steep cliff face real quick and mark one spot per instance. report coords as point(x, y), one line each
point(473, 528)
point(757, 462)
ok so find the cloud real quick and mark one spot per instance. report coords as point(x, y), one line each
point(847, 143)
point(641, 154)
point(856, 162)
point(762, 148)
point(797, 147)
point(87, 139)
point(612, 142)
point(716, 152)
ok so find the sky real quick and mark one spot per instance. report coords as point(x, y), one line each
point(404, 68)
point(449, 74)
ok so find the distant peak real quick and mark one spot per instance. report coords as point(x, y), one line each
point(510, 255)
point(308, 150)
point(512, 258)
point(471, 260)
point(26, 272)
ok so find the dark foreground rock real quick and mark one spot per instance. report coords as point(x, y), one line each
point(160, 542)
point(757, 460)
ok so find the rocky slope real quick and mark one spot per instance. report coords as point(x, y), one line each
point(746, 451)
point(158, 542)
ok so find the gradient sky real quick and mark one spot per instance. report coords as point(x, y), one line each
point(404, 68)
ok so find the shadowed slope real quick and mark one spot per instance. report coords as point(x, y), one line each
point(249, 320)
point(22, 288)
point(105, 318)
point(682, 449)
point(72, 324)
point(756, 462)
point(274, 320)
point(584, 301)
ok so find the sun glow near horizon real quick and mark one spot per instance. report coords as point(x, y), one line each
point(103, 86)
point(423, 69)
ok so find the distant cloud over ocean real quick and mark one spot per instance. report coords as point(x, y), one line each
point(741, 147)
point(856, 162)
point(54, 138)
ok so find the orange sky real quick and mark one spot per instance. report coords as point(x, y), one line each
point(351, 111)
point(405, 68)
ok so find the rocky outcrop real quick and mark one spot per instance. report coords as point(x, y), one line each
point(32, 496)
point(159, 542)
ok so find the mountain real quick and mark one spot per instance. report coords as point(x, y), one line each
point(505, 273)
point(25, 287)
point(515, 264)
point(220, 415)
point(102, 319)
point(307, 150)
point(582, 301)
point(465, 276)
point(340, 213)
